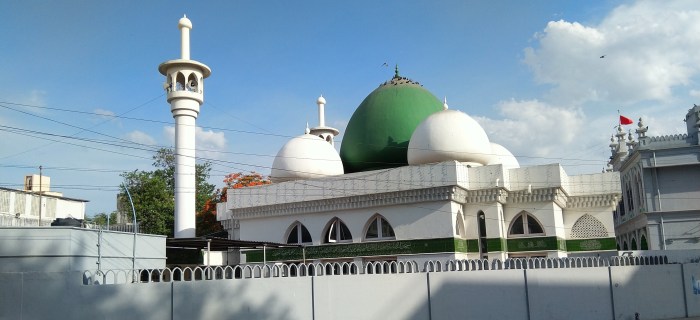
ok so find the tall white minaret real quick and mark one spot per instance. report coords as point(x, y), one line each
point(326, 133)
point(184, 84)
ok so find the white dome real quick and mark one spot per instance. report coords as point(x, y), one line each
point(501, 155)
point(449, 135)
point(306, 157)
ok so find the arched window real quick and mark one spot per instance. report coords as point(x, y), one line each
point(644, 245)
point(459, 225)
point(192, 83)
point(633, 244)
point(298, 234)
point(379, 229)
point(525, 224)
point(180, 82)
point(481, 226)
point(624, 246)
point(588, 227)
point(337, 231)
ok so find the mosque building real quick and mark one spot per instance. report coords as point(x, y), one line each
point(415, 180)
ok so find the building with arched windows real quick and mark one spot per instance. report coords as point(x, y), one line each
point(660, 205)
point(415, 180)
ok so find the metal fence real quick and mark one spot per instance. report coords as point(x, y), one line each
point(251, 271)
point(123, 227)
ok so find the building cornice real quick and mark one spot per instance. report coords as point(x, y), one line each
point(491, 195)
point(593, 201)
point(451, 193)
point(352, 202)
point(555, 194)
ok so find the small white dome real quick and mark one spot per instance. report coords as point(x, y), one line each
point(306, 157)
point(449, 135)
point(321, 100)
point(184, 23)
point(501, 155)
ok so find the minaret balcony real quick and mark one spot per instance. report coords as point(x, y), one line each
point(193, 94)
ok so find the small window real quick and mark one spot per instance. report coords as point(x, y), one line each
point(379, 228)
point(525, 224)
point(459, 225)
point(299, 234)
point(337, 232)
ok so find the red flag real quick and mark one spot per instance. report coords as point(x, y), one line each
point(625, 120)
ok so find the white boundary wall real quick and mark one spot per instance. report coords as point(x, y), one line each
point(545, 289)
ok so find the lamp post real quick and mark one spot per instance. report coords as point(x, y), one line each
point(133, 249)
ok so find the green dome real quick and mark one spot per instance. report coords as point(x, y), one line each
point(378, 132)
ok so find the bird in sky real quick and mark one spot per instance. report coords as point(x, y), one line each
point(603, 56)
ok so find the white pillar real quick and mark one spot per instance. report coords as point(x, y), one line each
point(184, 105)
point(185, 184)
point(321, 117)
point(185, 25)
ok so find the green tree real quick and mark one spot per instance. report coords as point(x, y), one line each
point(153, 193)
point(101, 218)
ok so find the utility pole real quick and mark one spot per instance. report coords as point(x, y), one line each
point(40, 193)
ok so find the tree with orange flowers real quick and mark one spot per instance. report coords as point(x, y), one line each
point(206, 218)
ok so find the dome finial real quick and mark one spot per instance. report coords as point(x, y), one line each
point(307, 130)
point(396, 71)
point(444, 104)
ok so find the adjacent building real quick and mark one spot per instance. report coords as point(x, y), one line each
point(660, 183)
point(36, 204)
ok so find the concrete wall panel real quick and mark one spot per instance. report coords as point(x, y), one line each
point(478, 295)
point(276, 298)
point(569, 293)
point(655, 292)
point(10, 296)
point(387, 296)
point(691, 277)
point(125, 301)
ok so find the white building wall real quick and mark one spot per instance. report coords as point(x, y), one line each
point(421, 221)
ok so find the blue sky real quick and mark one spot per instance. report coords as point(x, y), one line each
point(529, 72)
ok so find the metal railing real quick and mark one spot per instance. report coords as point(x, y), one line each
point(252, 271)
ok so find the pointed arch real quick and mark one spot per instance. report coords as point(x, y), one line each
point(643, 243)
point(587, 227)
point(180, 82)
point(525, 224)
point(633, 244)
point(460, 228)
point(297, 233)
point(192, 83)
point(378, 228)
point(336, 231)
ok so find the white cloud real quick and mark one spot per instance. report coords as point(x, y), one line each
point(649, 47)
point(209, 143)
point(533, 128)
point(36, 98)
point(104, 113)
point(140, 137)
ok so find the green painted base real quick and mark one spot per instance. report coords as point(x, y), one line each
point(429, 246)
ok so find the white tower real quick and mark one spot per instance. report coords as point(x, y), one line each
point(326, 133)
point(184, 84)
